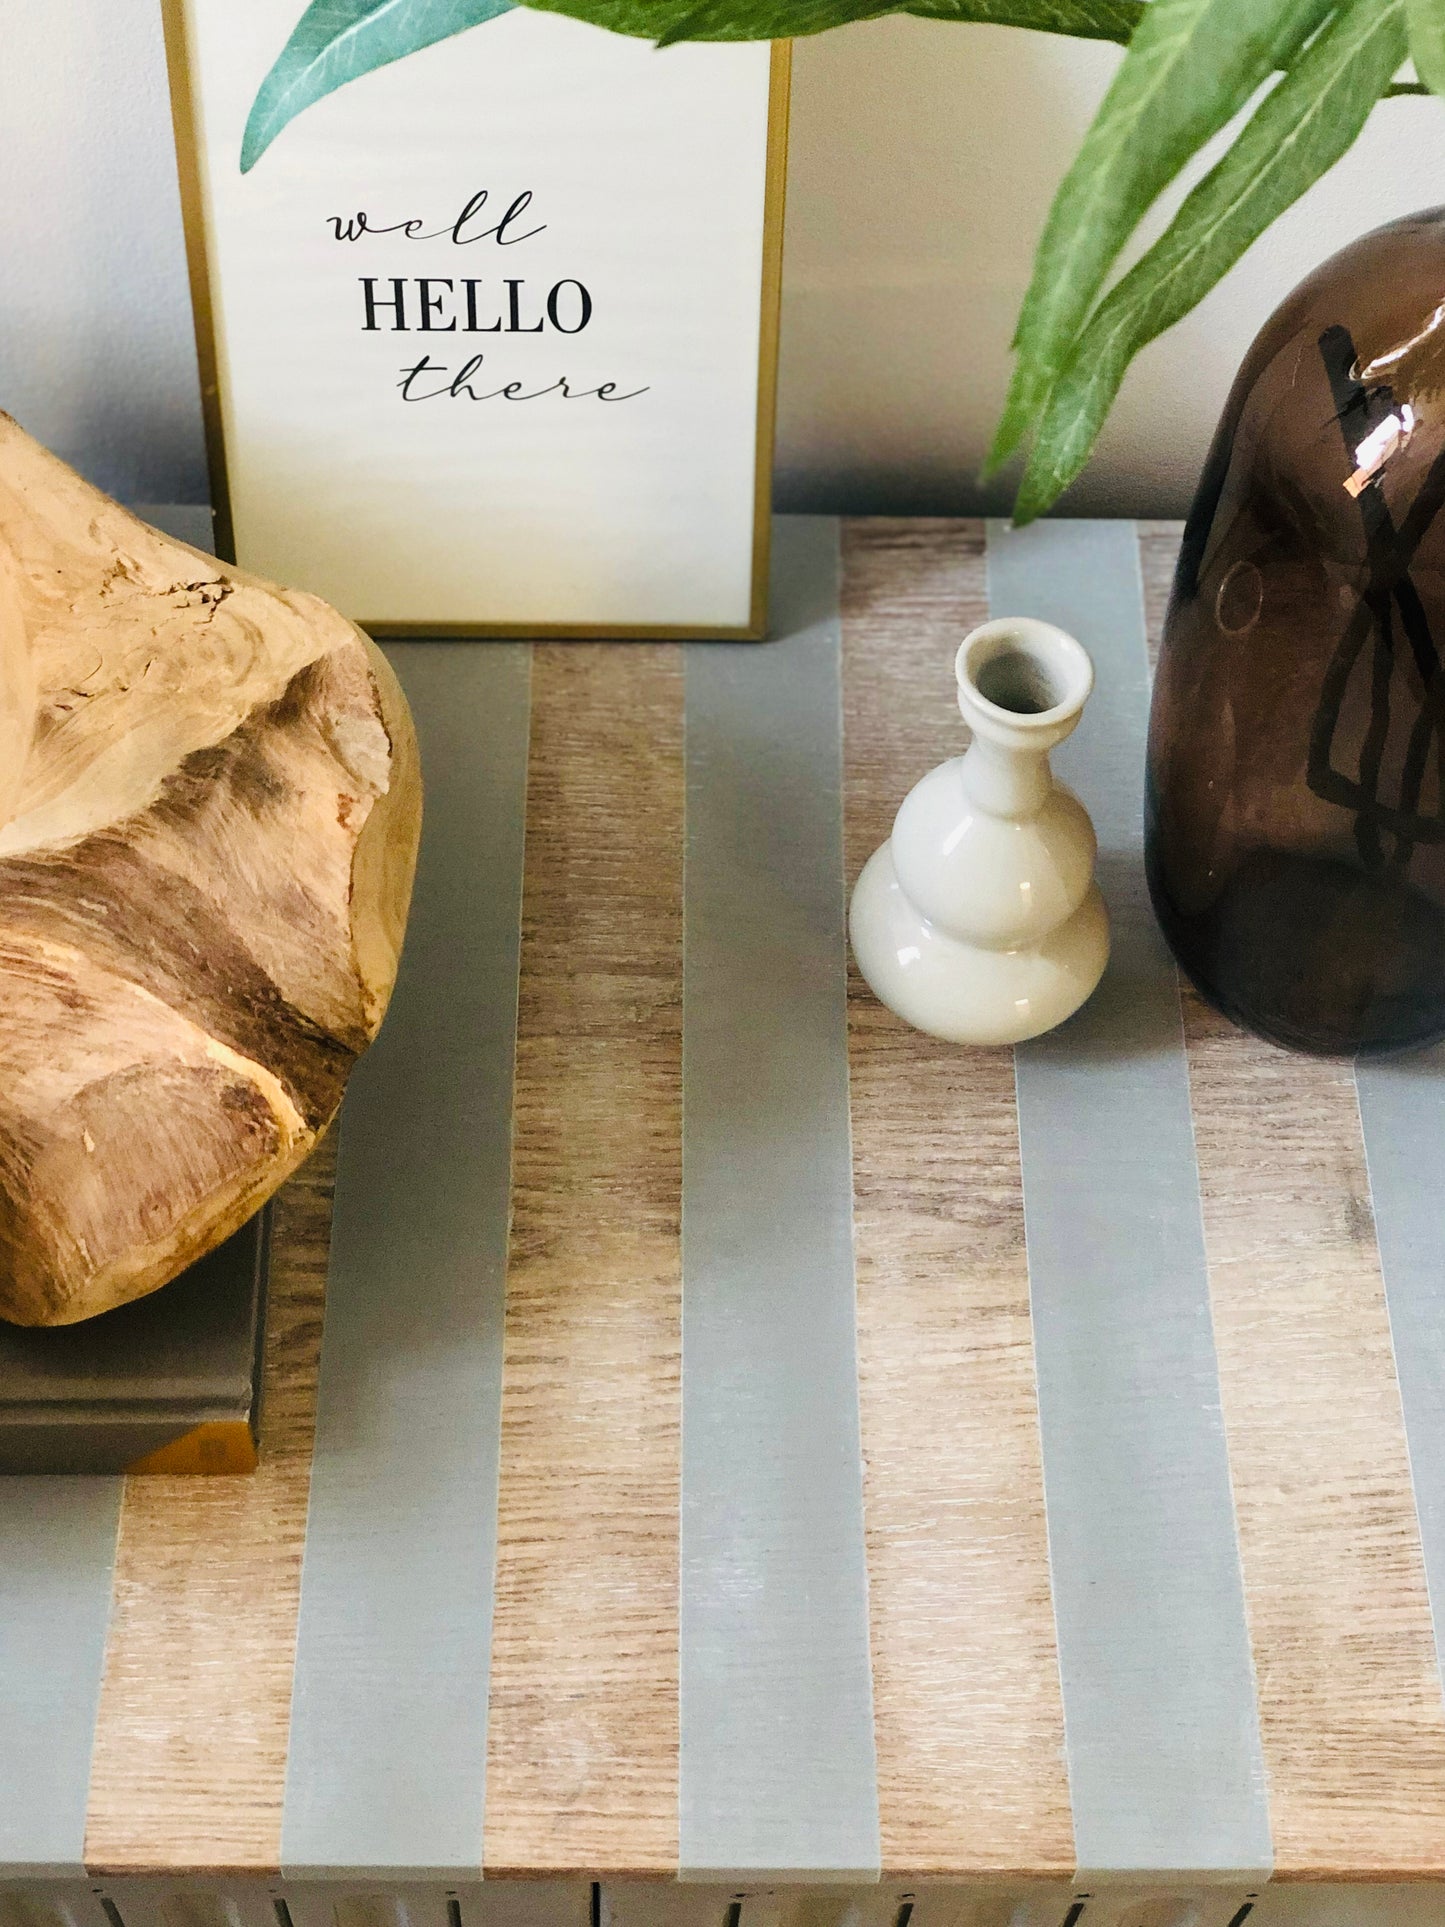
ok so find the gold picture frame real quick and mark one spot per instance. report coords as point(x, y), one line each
point(184, 118)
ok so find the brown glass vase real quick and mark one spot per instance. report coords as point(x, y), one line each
point(1296, 771)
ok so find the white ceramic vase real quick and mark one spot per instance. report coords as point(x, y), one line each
point(979, 919)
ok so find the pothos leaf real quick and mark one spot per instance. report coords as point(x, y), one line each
point(1299, 130)
point(1425, 30)
point(1190, 67)
point(339, 40)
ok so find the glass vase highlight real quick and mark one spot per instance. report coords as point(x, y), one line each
point(1295, 804)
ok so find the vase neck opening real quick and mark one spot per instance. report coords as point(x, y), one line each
point(1021, 687)
point(1022, 683)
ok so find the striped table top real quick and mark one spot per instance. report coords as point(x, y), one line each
point(746, 1439)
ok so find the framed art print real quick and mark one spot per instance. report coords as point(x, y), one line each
point(488, 336)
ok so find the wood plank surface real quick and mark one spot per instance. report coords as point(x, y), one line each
point(582, 1749)
point(971, 1775)
point(582, 1780)
point(1350, 1705)
point(189, 1763)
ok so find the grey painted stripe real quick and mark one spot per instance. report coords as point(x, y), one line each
point(57, 1556)
point(777, 1765)
point(389, 1708)
point(1165, 1767)
point(1402, 1114)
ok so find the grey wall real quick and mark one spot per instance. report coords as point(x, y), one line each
point(923, 159)
point(96, 354)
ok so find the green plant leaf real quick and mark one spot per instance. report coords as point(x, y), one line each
point(667, 21)
point(339, 40)
point(1425, 30)
point(1082, 19)
point(1190, 67)
point(1299, 130)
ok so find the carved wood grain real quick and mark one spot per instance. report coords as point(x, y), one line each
point(205, 864)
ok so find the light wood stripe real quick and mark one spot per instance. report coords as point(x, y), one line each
point(190, 1746)
point(1158, 552)
point(966, 1691)
point(1350, 1706)
point(582, 1754)
point(1349, 1695)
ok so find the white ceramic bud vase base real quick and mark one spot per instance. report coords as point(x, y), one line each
point(979, 920)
